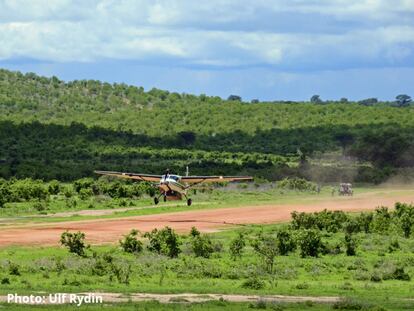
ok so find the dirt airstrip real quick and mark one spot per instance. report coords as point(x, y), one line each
point(100, 231)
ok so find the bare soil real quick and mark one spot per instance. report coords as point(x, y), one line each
point(101, 231)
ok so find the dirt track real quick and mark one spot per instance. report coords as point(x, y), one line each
point(110, 230)
point(190, 298)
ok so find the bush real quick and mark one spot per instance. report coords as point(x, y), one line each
point(376, 277)
point(27, 189)
point(164, 241)
point(237, 246)
point(68, 192)
point(400, 274)
point(54, 187)
point(75, 242)
point(121, 271)
point(194, 232)
point(310, 243)
point(297, 183)
point(405, 217)
point(348, 304)
point(5, 281)
point(85, 194)
point(382, 220)
point(14, 269)
point(266, 246)
point(202, 246)
point(302, 286)
point(331, 221)
point(285, 242)
point(130, 243)
point(364, 221)
point(83, 183)
point(40, 206)
point(350, 245)
point(253, 283)
point(71, 203)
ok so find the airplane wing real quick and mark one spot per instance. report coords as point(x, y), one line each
point(202, 179)
point(139, 177)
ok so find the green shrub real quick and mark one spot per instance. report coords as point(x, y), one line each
point(364, 221)
point(302, 286)
point(350, 244)
point(266, 246)
point(14, 269)
point(85, 193)
point(122, 271)
point(53, 187)
point(285, 242)
point(382, 220)
point(376, 277)
point(40, 206)
point(310, 243)
point(164, 241)
point(202, 246)
point(400, 274)
point(75, 242)
point(237, 246)
point(253, 283)
point(71, 203)
point(5, 281)
point(404, 214)
point(68, 192)
point(348, 304)
point(331, 221)
point(130, 243)
point(394, 245)
point(194, 232)
point(297, 183)
point(83, 183)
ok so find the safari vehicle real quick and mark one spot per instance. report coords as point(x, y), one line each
point(345, 189)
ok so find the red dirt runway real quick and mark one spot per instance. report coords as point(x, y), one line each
point(111, 230)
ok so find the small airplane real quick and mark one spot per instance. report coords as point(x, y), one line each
point(173, 187)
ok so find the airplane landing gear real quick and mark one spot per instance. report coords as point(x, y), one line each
point(189, 201)
point(156, 201)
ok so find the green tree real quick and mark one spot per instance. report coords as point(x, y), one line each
point(310, 243)
point(237, 246)
point(403, 100)
point(350, 244)
point(75, 242)
point(266, 246)
point(130, 242)
point(202, 246)
point(164, 241)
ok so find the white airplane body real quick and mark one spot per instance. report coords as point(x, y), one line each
point(173, 187)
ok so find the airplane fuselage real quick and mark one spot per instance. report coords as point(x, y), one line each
point(171, 187)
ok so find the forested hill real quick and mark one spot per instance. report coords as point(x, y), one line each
point(52, 129)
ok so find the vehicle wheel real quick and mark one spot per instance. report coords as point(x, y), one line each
point(165, 198)
point(156, 200)
point(189, 201)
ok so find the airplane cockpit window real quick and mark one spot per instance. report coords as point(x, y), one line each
point(174, 177)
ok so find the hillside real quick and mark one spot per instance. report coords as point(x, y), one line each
point(52, 129)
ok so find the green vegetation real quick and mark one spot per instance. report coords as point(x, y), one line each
point(50, 129)
point(269, 259)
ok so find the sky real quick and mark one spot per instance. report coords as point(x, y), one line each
point(262, 49)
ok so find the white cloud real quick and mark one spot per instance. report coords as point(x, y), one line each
point(195, 32)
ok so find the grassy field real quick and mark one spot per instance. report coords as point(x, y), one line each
point(364, 277)
point(217, 305)
point(378, 277)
